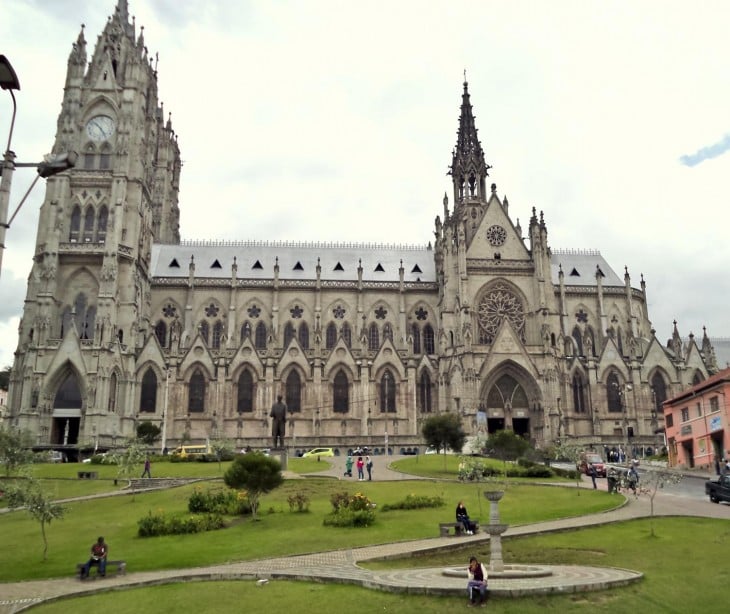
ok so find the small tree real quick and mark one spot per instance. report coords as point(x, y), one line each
point(506, 446)
point(257, 474)
point(572, 453)
point(29, 495)
point(652, 479)
point(148, 433)
point(15, 450)
point(222, 448)
point(444, 431)
point(5, 377)
point(129, 461)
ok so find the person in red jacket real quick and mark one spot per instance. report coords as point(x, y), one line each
point(99, 553)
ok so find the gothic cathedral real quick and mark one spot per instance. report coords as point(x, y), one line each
point(124, 322)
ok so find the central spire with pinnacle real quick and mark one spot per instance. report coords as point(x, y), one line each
point(468, 167)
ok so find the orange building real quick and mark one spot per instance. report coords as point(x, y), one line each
point(698, 423)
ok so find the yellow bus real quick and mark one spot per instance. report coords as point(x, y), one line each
point(196, 450)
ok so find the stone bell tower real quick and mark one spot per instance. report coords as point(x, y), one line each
point(88, 299)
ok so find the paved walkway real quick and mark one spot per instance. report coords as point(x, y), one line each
point(342, 565)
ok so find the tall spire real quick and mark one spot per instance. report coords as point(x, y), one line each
point(468, 167)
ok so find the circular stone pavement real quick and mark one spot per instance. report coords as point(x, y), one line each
point(556, 579)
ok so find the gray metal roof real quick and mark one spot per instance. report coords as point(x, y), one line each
point(579, 268)
point(256, 260)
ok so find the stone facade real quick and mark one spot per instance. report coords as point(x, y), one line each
point(123, 322)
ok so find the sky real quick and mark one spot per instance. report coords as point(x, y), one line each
point(335, 121)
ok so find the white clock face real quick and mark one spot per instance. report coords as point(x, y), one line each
point(100, 128)
point(496, 235)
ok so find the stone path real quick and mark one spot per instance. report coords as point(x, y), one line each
point(342, 565)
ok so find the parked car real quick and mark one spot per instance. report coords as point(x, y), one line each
point(54, 456)
point(591, 458)
point(318, 452)
point(718, 490)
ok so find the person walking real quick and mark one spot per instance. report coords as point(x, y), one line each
point(592, 472)
point(360, 464)
point(147, 467)
point(369, 467)
point(348, 466)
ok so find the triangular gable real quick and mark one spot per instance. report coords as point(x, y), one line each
point(68, 351)
point(195, 355)
point(247, 355)
point(693, 357)
point(507, 345)
point(105, 79)
point(388, 355)
point(151, 352)
point(512, 248)
point(293, 354)
point(656, 355)
point(340, 355)
point(610, 353)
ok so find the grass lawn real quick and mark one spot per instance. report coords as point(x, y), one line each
point(278, 532)
point(681, 575)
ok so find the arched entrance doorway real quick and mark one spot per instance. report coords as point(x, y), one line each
point(67, 412)
point(508, 406)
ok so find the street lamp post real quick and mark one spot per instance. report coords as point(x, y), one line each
point(52, 164)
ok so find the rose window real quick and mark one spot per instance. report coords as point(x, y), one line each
point(500, 303)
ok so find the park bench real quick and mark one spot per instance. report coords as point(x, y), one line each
point(445, 528)
point(88, 475)
point(120, 568)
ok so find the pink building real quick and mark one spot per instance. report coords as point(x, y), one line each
point(698, 423)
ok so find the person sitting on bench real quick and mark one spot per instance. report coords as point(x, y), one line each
point(463, 517)
point(99, 553)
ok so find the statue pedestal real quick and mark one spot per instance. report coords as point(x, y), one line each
point(281, 455)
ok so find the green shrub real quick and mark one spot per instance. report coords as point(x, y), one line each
point(539, 471)
point(414, 502)
point(572, 474)
point(525, 462)
point(350, 511)
point(298, 502)
point(228, 502)
point(154, 525)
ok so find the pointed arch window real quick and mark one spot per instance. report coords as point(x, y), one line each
point(217, 335)
point(347, 334)
point(416, 335)
point(387, 392)
point(288, 333)
point(428, 340)
point(294, 392)
point(148, 398)
point(260, 338)
point(89, 218)
point(89, 157)
point(579, 395)
point(373, 337)
point(68, 395)
point(330, 336)
point(659, 392)
point(105, 157)
point(424, 393)
point(245, 331)
point(112, 404)
point(304, 335)
point(196, 392)
point(101, 224)
point(245, 392)
point(75, 229)
point(341, 393)
point(204, 329)
point(578, 338)
point(698, 377)
point(387, 331)
point(161, 333)
point(507, 392)
point(613, 393)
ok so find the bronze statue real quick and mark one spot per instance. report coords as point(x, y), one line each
point(278, 427)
